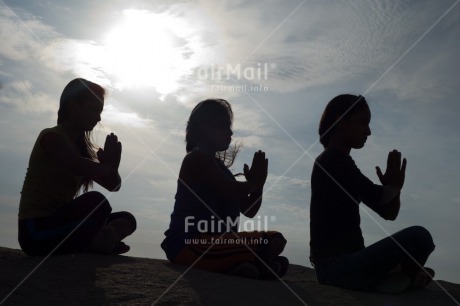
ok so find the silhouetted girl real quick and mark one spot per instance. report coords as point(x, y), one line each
point(63, 161)
point(337, 246)
point(204, 224)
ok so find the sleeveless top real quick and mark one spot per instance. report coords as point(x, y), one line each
point(47, 185)
point(197, 210)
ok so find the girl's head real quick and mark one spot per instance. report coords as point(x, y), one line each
point(210, 126)
point(347, 117)
point(81, 103)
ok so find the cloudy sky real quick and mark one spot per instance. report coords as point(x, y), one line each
point(278, 63)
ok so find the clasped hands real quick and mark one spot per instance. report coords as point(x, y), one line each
point(395, 173)
point(258, 172)
point(111, 154)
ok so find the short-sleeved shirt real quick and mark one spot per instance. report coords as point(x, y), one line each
point(199, 209)
point(47, 185)
point(337, 187)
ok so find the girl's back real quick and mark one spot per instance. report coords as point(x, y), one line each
point(47, 184)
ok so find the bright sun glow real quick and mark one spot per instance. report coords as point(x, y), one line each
point(140, 52)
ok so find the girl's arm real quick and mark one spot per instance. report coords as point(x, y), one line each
point(390, 210)
point(111, 154)
point(250, 204)
point(53, 145)
point(393, 181)
point(200, 167)
point(111, 182)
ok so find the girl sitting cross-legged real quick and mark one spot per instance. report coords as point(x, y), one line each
point(203, 231)
point(337, 249)
point(52, 214)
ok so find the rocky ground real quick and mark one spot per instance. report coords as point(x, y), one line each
point(91, 279)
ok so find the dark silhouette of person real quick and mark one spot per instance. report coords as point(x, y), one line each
point(204, 224)
point(337, 249)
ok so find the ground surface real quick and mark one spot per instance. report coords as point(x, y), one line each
point(89, 279)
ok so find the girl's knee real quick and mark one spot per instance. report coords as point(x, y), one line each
point(126, 216)
point(274, 247)
point(130, 217)
point(280, 240)
point(423, 237)
point(131, 221)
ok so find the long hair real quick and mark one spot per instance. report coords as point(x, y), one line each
point(80, 90)
point(204, 112)
point(339, 108)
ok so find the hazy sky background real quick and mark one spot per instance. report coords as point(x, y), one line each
point(158, 60)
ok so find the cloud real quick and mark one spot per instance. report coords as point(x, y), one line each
point(286, 194)
point(82, 57)
point(250, 125)
point(251, 142)
point(22, 36)
point(154, 215)
point(287, 181)
point(164, 184)
point(204, 35)
point(115, 116)
point(22, 95)
point(352, 41)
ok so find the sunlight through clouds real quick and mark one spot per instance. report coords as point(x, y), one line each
point(145, 49)
point(136, 59)
point(81, 57)
point(114, 116)
point(140, 52)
